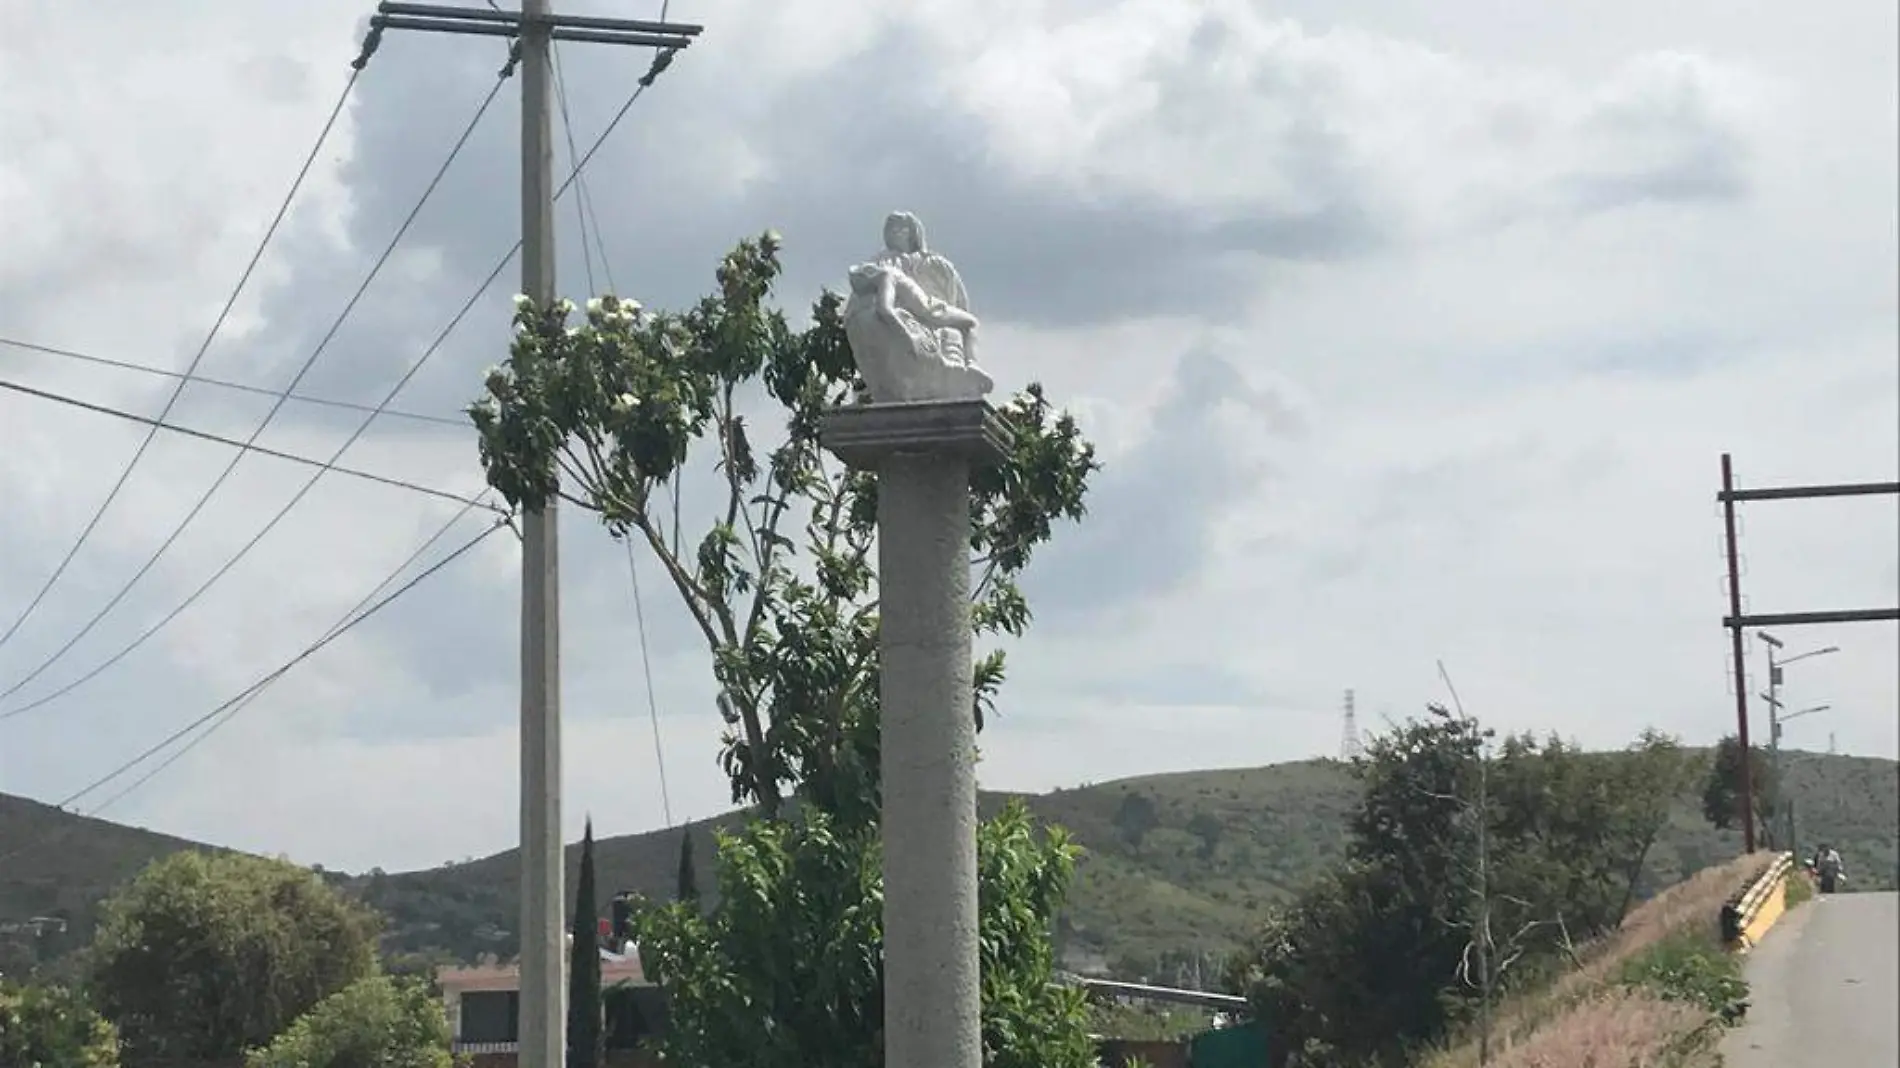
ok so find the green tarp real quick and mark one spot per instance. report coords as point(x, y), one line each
point(1230, 1047)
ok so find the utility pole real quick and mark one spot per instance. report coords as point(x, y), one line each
point(1736, 621)
point(534, 29)
point(543, 993)
point(1747, 790)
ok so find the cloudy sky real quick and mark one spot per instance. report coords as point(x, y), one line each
point(1406, 330)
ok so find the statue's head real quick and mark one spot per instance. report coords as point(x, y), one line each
point(903, 232)
point(864, 277)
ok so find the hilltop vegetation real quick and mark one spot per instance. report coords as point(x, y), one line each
point(1149, 894)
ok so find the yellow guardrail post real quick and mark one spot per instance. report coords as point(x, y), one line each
point(1749, 915)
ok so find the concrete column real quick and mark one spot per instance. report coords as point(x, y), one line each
point(923, 454)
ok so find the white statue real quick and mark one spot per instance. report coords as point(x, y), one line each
point(908, 321)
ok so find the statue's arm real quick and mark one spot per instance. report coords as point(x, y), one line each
point(887, 296)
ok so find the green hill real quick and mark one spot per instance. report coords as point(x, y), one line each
point(1178, 865)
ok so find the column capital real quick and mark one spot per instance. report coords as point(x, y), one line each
point(863, 435)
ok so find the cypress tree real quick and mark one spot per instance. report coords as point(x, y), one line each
point(688, 878)
point(583, 977)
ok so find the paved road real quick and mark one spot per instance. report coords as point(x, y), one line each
point(1825, 988)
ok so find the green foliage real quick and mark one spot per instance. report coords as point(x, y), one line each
point(206, 955)
point(784, 970)
point(1722, 788)
point(1692, 967)
point(620, 404)
point(376, 1022)
point(1146, 1021)
point(584, 1011)
point(1798, 889)
point(1208, 829)
point(1136, 817)
point(787, 971)
point(1384, 953)
point(53, 1027)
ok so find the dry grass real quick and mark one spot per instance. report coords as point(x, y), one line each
point(1582, 1020)
point(1618, 1028)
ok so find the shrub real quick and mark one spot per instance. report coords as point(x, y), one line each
point(53, 1027)
point(1691, 967)
point(378, 1022)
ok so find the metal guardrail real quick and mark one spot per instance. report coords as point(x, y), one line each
point(1740, 911)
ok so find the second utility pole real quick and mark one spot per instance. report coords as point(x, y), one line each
point(542, 1015)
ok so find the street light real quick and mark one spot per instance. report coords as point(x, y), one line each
point(1775, 718)
point(1805, 712)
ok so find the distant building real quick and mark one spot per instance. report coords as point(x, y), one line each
point(483, 1004)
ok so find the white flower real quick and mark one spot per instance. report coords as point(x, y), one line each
point(625, 403)
point(522, 303)
point(594, 306)
point(564, 306)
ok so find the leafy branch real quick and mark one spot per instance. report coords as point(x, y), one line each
point(609, 412)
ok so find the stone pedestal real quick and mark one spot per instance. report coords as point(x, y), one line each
point(923, 454)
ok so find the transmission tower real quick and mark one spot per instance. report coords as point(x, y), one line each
point(1350, 746)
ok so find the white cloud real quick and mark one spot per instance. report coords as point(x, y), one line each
point(1223, 107)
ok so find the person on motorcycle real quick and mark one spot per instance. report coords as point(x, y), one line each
point(1827, 865)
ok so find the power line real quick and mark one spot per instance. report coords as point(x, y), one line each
point(646, 81)
point(223, 476)
point(283, 209)
point(585, 214)
point(245, 699)
point(588, 217)
point(573, 153)
point(206, 380)
point(205, 435)
point(251, 691)
point(583, 198)
point(646, 670)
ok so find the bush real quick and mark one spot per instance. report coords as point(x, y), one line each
point(1691, 967)
point(378, 1022)
point(53, 1027)
point(206, 955)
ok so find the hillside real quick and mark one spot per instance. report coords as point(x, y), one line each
point(1177, 865)
point(58, 865)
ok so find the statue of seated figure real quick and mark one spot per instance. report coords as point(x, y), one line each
point(897, 334)
point(908, 322)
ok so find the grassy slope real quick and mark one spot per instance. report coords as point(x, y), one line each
point(1601, 1013)
point(1132, 905)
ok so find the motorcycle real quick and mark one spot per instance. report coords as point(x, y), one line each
point(1827, 879)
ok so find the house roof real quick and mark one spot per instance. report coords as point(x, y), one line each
point(458, 978)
